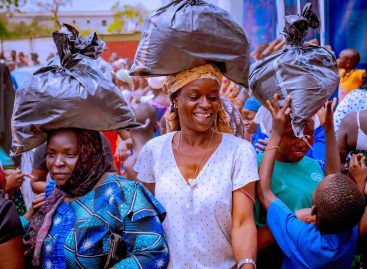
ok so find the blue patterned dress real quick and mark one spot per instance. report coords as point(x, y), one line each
point(81, 230)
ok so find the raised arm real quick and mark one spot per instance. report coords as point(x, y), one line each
point(280, 119)
point(325, 115)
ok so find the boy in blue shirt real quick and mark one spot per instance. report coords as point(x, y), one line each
point(338, 206)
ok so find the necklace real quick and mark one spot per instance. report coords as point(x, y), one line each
point(190, 179)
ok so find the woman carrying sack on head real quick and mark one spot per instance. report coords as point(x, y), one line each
point(88, 217)
point(203, 176)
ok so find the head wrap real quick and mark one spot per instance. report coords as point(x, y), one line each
point(175, 83)
point(89, 168)
point(252, 104)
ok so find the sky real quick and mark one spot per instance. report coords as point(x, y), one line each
point(97, 5)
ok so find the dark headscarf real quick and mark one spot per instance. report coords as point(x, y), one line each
point(89, 168)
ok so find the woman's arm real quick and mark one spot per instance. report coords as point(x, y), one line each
point(152, 248)
point(244, 238)
point(12, 254)
point(143, 235)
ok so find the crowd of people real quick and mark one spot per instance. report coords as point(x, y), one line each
point(211, 178)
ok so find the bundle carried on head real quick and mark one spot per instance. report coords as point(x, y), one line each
point(189, 33)
point(308, 74)
point(76, 93)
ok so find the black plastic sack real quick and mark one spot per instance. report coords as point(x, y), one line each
point(72, 94)
point(308, 74)
point(186, 34)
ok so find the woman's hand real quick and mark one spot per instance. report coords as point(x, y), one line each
point(36, 204)
point(14, 179)
point(358, 171)
point(325, 114)
point(280, 115)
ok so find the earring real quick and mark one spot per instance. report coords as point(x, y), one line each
point(173, 107)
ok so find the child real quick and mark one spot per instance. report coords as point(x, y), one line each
point(140, 136)
point(350, 78)
point(337, 207)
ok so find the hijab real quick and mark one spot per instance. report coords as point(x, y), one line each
point(91, 165)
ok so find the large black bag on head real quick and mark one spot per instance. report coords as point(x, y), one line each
point(189, 33)
point(308, 73)
point(72, 94)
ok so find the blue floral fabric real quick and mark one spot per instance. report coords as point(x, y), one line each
point(80, 235)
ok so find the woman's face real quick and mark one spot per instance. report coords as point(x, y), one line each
point(198, 104)
point(62, 155)
point(248, 119)
point(293, 149)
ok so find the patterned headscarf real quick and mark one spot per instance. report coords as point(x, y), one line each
point(89, 168)
point(175, 83)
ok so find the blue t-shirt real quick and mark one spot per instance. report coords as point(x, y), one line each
point(303, 244)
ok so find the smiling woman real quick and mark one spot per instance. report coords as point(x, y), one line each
point(203, 175)
point(90, 218)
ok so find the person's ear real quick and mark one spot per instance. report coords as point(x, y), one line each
point(313, 210)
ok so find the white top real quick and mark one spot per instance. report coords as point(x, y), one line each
point(198, 223)
point(362, 136)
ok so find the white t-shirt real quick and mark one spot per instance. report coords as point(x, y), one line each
point(199, 220)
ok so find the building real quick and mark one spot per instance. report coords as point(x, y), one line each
point(97, 21)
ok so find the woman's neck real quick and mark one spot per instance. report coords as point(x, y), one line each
point(194, 139)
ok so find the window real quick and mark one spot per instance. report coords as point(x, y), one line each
point(104, 23)
point(88, 21)
point(74, 21)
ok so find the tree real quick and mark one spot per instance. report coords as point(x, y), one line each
point(53, 6)
point(11, 5)
point(127, 17)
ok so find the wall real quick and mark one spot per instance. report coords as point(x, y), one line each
point(124, 44)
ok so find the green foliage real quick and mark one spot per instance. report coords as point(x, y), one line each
point(17, 30)
point(10, 5)
point(126, 15)
point(53, 6)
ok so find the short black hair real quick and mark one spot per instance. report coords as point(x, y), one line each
point(339, 204)
point(355, 54)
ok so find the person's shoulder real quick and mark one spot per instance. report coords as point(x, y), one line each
point(333, 249)
point(121, 181)
point(349, 121)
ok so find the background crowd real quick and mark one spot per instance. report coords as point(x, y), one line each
point(298, 172)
